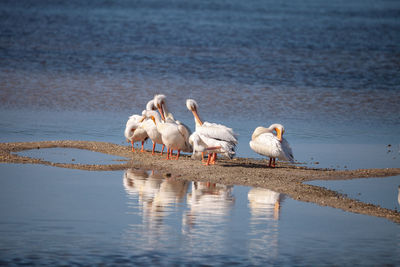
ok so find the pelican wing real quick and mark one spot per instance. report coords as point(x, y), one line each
point(151, 129)
point(186, 134)
point(130, 124)
point(217, 131)
point(220, 146)
point(135, 118)
point(197, 144)
point(287, 150)
point(267, 144)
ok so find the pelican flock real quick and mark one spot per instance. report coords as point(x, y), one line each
point(159, 125)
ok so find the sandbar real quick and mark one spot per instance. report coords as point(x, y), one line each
point(285, 178)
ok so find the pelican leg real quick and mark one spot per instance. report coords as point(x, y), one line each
point(273, 162)
point(142, 150)
point(214, 158)
point(171, 151)
point(154, 146)
point(162, 149)
point(133, 149)
point(202, 157)
point(270, 162)
point(177, 155)
point(168, 149)
point(208, 160)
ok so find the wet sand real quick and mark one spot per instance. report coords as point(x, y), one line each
point(285, 179)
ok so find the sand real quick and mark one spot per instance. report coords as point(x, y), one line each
point(285, 179)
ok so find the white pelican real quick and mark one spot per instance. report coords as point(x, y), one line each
point(151, 129)
point(174, 134)
point(211, 137)
point(160, 103)
point(265, 142)
point(134, 131)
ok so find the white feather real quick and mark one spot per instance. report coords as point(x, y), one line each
point(265, 142)
point(133, 130)
point(149, 125)
point(217, 131)
point(175, 136)
point(211, 137)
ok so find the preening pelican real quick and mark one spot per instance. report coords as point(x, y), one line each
point(134, 131)
point(210, 137)
point(265, 142)
point(150, 127)
point(174, 134)
point(160, 103)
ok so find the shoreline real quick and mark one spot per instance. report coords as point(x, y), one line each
point(285, 179)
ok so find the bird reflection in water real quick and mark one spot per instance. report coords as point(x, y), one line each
point(208, 202)
point(265, 208)
point(154, 197)
point(154, 192)
point(265, 202)
point(204, 223)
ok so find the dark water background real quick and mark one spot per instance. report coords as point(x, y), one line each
point(327, 70)
point(260, 60)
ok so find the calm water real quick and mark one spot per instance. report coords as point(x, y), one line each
point(71, 217)
point(383, 192)
point(327, 70)
point(71, 156)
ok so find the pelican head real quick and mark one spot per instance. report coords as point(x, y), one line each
point(159, 101)
point(192, 106)
point(150, 105)
point(280, 130)
point(151, 114)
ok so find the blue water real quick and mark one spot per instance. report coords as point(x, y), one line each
point(384, 192)
point(71, 156)
point(329, 71)
point(55, 216)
